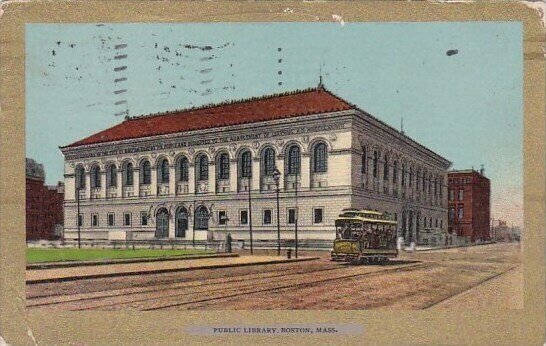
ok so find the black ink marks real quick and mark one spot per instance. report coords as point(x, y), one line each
point(206, 70)
point(53, 52)
point(279, 61)
point(72, 45)
point(119, 56)
point(203, 48)
point(206, 81)
point(167, 49)
point(452, 52)
point(58, 43)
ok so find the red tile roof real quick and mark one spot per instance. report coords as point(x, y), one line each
point(272, 107)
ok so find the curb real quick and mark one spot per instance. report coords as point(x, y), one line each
point(69, 264)
point(167, 270)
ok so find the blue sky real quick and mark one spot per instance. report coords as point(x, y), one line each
point(468, 107)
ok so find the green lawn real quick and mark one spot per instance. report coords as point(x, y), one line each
point(35, 255)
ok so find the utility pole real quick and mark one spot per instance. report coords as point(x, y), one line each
point(193, 230)
point(78, 218)
point(250, 219)
point(297, 216)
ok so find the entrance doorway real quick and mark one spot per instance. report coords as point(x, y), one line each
point(162, 223)
point(201, 218)
point(181, 222)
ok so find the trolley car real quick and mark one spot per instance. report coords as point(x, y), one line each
point(364, 236)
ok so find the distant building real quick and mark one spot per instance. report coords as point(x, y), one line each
point(503, 233)
point(469, 205)
point(44, 204)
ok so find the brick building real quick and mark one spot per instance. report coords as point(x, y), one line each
point(188, 173)
point(469, 205)
point(44, 204)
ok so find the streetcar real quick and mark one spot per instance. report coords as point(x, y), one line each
point(364, 236)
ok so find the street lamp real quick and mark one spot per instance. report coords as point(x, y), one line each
point(297, 215)
point(276, 177)
point(78, 221)
point(250, 218)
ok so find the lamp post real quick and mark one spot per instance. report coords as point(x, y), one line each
point(250, 219)
point(78, 217)
point(276, 177)
point(297, 216)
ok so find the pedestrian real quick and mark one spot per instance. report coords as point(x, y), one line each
point(228, 243)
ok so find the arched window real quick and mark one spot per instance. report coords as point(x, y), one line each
point(293, 166)
point(375, 159)
point(223, 166)
point(128, 174)
point(386, 168)
point(202, 168)
point(146, 173)
point(403, 182)
point(268, 161)
point(95, 176)
point(394, 171)
point(320, 158)
point(417, 179)
point(410, 176)
point(202, 216)
point(111, 176)
point(423, 186)
point(80, 177)
point(164, 171)
point(245, 164)
point(183, 169)
point(364, 167)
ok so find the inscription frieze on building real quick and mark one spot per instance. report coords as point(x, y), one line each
point(185, 143)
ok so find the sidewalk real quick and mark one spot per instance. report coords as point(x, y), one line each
point(109, 270)
point(504, 291)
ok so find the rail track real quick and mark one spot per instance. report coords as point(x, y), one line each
point(195, 292)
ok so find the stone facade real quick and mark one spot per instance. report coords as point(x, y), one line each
point(164, 193)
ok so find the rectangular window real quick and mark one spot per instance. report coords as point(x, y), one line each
point(94, 220)
point(222, 217)
point(451, 195)
point(268, 215)
point(318, 215)
point(143, 218)
point(441, 223)
point(243, 217)
point(461, 194)
point(436, 222)
point(460, 214)
point(80, 220)
point(127, 219)
point(451, 213)
point(111, 220)
point(291, 216)
point(395, 217)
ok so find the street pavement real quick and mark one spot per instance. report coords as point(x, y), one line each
point(452, 278)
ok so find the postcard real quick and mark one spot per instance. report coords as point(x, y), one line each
point(253, 173)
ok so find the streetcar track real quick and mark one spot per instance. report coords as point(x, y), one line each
point(292, 286)
point(239, 289)
point(188, 284)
